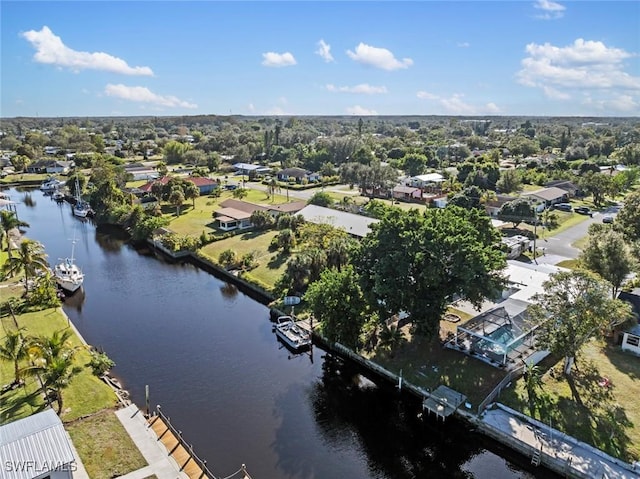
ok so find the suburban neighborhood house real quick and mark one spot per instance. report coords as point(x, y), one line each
point(36, 447)
point(299, 175)
point(548, 196)
point(355, 225)
point(631, 335)
point(236, 214)
point(501, 335)
point(205, 185)
point(51, 167)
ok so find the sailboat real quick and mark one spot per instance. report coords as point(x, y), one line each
point(67, 274)
point(81, 208)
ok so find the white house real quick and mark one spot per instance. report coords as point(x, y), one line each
point(631, 336)
point(36, 447)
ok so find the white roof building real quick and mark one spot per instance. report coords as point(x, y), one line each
point(355, 225)
point(36, 447)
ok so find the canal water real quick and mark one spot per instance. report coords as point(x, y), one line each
point(211, 360)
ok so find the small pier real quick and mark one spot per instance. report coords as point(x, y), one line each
point(181, 452)
point(443, 402)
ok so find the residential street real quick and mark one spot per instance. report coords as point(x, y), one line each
point(558, 247)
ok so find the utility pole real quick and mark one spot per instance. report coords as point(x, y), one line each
point(535, 232)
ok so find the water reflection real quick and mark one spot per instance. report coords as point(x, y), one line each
point(75, 300)
point(28, 200)
point(229, 291)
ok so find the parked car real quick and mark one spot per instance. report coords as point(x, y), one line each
point(562, 206)
point(583, 210)
point(607, 219)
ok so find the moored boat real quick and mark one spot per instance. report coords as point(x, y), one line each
point(50, 185)
point(294, 336)
point(67, 274)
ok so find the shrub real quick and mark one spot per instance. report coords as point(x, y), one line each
point(100, 363)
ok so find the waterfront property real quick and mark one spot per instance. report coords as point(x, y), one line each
point(501, 335)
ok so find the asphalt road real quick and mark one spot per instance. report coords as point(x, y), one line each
point(558, 247)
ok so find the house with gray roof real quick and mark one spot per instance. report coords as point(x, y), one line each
point(36, 447)
point(548, 196)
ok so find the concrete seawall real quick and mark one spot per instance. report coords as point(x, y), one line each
point(581, 462)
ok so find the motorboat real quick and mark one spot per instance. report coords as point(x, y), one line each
point(50, 185)
point(293, 335)
point(67, 274)
point(57, 195)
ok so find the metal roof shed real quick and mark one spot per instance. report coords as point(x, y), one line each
point(36, 447)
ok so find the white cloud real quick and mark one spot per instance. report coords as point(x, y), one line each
point(625, 104)
point(552, 10)
point(324, 50)
point(50, 50)
point(464, 44)
point(363, 88)
point(378, 57)
point(455, 105)
point(251, 108)
point(277, 111)
point(361, 111)
point(581, 67)
point(425, 95)
point(144, 95)
point(273, 59)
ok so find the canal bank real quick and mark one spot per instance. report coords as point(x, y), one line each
point(209, 355)
point(544, 446)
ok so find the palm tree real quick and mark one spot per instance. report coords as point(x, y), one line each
point(14, 349)
point(58, 374)
point(52, 363)
point(30, 259)
point(55, 346)
point(8, 221)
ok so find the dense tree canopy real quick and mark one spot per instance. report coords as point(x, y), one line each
point(573, 307)
point(418, 262)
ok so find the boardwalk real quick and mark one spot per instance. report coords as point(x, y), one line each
point(182, 456)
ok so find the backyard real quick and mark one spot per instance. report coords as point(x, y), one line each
point(607, 381)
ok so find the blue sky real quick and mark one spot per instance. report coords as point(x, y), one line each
point(538, 57)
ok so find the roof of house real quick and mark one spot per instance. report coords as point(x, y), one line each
point(229, 214)
point(246, 166)
point(563, 185)
point(430, 177)
point(196, 180)
point(547, 194)
point(37, 439)
point(356, 225)
point(201, 181)
point(633, 298)
point(240, 205)
point(295, 172)
point(291, 207)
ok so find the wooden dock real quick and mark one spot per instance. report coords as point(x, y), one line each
point(176, 449)
point(443, 402)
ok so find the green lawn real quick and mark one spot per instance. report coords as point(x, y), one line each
point(271, 264)
point(194, 220)
point(609, 418)
point(104, 446)
point(86, 394)
point(425, 363)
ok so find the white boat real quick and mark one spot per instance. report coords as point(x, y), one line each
point(67, 274)
point(292, 334)
point(51, 184)
point(81, 208)
point(58, 195)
